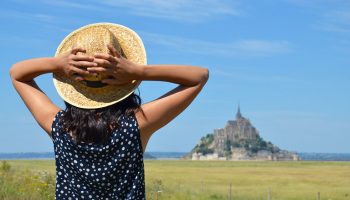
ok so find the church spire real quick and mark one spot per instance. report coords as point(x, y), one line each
point(239, 115)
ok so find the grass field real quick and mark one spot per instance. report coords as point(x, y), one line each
point(181, 180)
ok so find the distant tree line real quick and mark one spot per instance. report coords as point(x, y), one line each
point(250, 145)
point(203, 146)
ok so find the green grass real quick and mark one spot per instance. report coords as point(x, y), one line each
point(183, 180)
point(251, 180)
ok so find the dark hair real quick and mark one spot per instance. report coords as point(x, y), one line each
point(96, 125)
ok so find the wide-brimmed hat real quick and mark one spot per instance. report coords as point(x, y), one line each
point(92, 93)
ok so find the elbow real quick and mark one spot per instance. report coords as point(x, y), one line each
point(12, 72)
point(205, 76)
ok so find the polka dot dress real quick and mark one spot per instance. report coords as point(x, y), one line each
point(114, 170)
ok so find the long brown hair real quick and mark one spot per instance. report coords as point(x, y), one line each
point(96, 125)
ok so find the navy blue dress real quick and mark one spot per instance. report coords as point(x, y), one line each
point(114, 170)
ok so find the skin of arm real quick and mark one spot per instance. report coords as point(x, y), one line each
point(161, 111)
point(23, 74)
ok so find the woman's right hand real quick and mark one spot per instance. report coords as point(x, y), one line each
point(73, 65)
point(118, 70)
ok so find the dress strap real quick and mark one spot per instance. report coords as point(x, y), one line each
point(55, 127)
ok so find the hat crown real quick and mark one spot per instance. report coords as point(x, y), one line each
point(95, 40)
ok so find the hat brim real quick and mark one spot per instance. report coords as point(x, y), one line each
point(82, 96)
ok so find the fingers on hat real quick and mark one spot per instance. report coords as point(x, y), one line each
point(106, 57)
point(113, 51)
point(79, 71)
point(82, 58)
point(83, 64)
point(75, 50)
point(102, 62)
point(98, 69)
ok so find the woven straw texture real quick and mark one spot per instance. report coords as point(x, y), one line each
point(94, 38)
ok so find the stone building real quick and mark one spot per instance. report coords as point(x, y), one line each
point(241, 128)
point(239, 131)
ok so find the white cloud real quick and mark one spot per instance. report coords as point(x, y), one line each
point(337, 21)
point(343, 15)
point(263, 46)
point(233, 48)
point(183, 10)
point(33, 17)
point(251, 77)
point(315, 4)
point(333, 15)
point(176, 10)
point(45, 21)
point(180, 10)
point(71, 4)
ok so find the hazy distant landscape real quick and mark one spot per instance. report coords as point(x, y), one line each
point(178, 155)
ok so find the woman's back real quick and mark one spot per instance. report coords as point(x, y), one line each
point(113, 170)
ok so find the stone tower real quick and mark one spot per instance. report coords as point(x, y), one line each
point(238, 115)
point(235, 130)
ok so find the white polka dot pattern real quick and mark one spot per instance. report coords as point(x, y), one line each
point(114, 170)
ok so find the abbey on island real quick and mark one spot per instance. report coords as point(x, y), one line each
point(238, 140)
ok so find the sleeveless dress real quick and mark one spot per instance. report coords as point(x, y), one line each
point(114, 170)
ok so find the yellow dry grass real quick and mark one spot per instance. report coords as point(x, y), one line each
point(181, 180)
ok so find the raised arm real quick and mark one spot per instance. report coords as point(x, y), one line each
point(24, 72)
point(162, 110)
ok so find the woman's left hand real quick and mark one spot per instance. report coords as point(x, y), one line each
point(73, 65)
point(118, 69)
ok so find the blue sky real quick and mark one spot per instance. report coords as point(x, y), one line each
point(286, 61)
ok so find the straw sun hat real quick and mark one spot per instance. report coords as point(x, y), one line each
point(92, 93)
